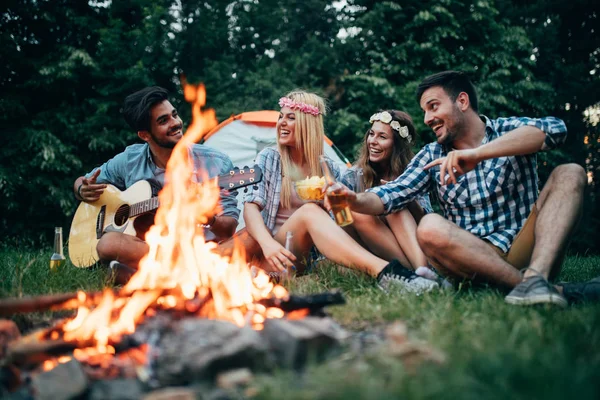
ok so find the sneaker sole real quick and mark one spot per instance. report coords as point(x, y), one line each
point(538, 299)
point(406, 288)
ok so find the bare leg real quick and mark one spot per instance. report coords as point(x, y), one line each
point(559, 210)
point(404, 226)
point(312, 225)
point(378, 238)
point(126, 249)
point(460, 253)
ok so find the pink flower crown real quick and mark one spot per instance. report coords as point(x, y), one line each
point(299, 106)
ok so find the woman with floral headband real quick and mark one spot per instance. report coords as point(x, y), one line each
point(273, 208)
point(385, 153)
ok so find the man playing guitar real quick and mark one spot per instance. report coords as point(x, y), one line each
point(157, 123)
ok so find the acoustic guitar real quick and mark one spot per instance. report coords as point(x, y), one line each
point(117, 211)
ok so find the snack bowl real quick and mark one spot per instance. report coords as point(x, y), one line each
point(309, 189)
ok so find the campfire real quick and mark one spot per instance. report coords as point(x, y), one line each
point(181, 278)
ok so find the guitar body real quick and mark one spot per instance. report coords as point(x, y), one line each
point(125, 212)
point(109, 213)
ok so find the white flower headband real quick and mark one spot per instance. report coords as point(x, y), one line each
point(386, 118)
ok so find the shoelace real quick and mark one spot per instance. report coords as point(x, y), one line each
point(400, 278)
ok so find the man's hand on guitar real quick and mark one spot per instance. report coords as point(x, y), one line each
point(89, 190)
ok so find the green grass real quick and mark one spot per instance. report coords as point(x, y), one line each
point(493, 350)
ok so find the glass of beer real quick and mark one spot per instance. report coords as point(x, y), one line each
point(339, 201)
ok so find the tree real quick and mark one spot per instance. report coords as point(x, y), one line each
point(69, 65)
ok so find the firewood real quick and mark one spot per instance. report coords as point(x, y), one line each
point(313, 302)
point(36, 348)
point(38, 303)
point(62, 301)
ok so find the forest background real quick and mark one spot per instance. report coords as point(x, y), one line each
point(67, 65)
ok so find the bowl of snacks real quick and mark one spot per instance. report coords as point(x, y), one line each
point(309, 189)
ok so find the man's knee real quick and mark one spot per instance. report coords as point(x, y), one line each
point(432, 232)
point(120, 246)
point(108, 246)
point(571, 175)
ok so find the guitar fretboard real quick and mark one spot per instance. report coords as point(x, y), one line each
point(143, 207)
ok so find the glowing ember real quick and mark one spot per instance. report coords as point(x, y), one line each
point(180, 266)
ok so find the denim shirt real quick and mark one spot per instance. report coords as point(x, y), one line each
point(136, 164)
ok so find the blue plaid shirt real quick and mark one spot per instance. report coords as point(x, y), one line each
point(136, 164)
point(493, 200)
point(349, 179)
point(268, 193)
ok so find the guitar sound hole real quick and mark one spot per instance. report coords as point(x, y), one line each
point(122, 215)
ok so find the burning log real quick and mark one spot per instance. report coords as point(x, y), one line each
point(313, 303)
point(71, 301)
point(36, 348)
point(63, 301)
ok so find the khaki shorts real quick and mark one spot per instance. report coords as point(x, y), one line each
point(519, 254)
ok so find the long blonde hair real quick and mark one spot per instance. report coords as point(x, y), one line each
point(309, 134)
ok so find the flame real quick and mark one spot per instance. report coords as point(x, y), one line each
point(180, 267)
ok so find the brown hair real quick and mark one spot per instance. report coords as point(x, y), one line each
point(401, 153)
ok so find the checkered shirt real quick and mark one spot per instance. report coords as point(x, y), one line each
point(493, 200)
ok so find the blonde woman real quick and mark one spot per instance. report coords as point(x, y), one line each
point(273, 208)
point(384, 155)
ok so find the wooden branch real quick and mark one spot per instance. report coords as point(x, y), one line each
point(311, 302)
point(60, 301)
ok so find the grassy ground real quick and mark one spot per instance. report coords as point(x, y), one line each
point(493, 350)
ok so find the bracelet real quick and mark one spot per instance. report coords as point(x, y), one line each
point(79, 191)
point(209, 225)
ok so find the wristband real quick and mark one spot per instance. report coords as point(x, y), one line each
point(209, 225)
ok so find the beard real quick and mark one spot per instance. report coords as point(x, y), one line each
point(455, 127)
point(166, 143)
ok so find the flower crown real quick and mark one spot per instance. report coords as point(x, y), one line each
point(299, 106)
point(386, 118)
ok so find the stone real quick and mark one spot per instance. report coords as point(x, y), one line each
point(294, 342)
point(199, 349)
point(175, 393)
point(117, 389)
point(8, 333)
point(413, 354)
point(65, 381)
point(234, 378)
point(397, 332)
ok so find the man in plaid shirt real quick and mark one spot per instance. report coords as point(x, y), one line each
point(496, 228)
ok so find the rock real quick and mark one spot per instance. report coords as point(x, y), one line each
point(8, 333)
point(236, 377)
point(413, 354)
point(178, 393)
point(23, 393)
point(397, 332)
point(117, 389)
point(65, 381)
point(297, 341)
point(199, 349)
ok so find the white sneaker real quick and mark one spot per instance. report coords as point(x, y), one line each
point(416, 284)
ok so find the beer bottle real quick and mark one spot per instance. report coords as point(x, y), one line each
point(58, 258)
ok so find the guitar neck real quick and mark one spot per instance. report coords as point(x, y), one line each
point(233, 180)
point(143, 207)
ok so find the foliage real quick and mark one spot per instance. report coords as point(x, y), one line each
point(67, 66)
